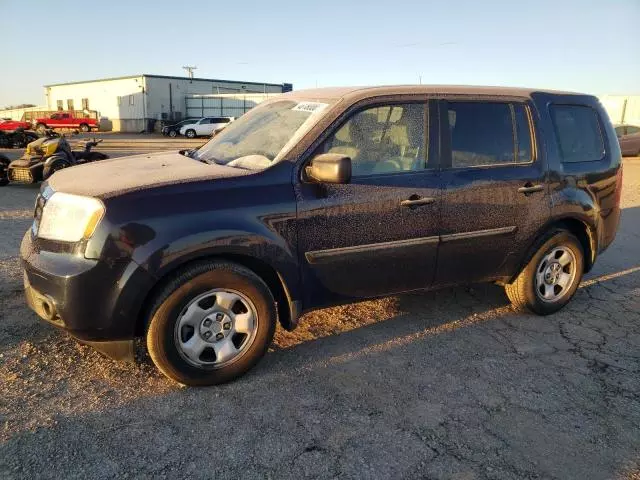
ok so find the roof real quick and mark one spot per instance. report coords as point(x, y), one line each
point(167, 77)
point(333, 93)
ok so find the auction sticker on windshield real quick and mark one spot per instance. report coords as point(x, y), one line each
point(311, 107)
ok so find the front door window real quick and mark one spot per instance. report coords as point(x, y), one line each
point(382, 140)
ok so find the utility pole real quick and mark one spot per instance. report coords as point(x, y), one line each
point(190, 70)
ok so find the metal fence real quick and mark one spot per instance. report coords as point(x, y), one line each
point(223, 105)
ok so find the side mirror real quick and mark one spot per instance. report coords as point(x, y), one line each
point(329, 168)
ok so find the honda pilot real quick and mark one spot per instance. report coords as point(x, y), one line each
point(317, 198)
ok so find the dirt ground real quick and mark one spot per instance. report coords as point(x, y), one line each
point(441, 385)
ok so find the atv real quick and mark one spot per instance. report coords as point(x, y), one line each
point(46, 156)
point(18, 138)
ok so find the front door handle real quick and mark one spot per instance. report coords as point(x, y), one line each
point(416, 201)
point(529, 188)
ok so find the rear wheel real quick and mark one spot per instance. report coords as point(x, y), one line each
point(190, 133)
point(210, 324)
point(84, 127)
point(551, 278)
point(41, 128)
point(95, 156)
point(173, 133)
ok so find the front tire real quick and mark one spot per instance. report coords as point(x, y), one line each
point(211, 323)
point(84, 127)
point(41, 128)
point(551, 277)
point(190, 133)
point(4, 170)
point(53, 168)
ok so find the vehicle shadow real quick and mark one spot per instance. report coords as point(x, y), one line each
point(431, 373)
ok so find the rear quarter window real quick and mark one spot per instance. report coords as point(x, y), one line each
point(578, 133)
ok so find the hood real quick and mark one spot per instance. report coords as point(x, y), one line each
point(108, 178)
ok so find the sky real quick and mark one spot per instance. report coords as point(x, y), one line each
point(591, 46)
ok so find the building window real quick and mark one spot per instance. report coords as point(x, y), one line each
point(85, 104)
point(69, 104)
point(130, 99)
point(60, 105)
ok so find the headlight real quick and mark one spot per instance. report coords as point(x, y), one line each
point(70, 218)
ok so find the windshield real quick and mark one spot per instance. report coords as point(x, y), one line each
point(256, 139)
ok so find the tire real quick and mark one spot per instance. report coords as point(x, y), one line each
point(173, 133)
point(53, 168)
point(84, 127)
point(41, 128)
point(542, 286)
point(169, 330)
point(20, 141)
point(190, 133)
point(4, 165)
point(95, 156)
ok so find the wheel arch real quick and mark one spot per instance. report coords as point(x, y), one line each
point(584, 232)
point(287, 308)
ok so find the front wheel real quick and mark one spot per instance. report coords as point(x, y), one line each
point(41, 128)
point(84, 127)
point(190, 133)
point(550, 279)
point(53, 168)
point(4, 167)
point(210, 324)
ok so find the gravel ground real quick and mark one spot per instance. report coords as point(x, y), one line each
point(447, 384)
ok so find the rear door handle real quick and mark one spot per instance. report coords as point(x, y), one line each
point(528, 188)
point(415, 201)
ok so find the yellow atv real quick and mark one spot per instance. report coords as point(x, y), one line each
point(44, 157)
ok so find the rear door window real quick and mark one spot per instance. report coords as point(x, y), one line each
point(578, 133)
point(489, 133)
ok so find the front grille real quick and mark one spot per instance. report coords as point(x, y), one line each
point(22, 175)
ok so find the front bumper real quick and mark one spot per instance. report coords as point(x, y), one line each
point(96, 301)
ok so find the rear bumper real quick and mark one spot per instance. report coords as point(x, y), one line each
point(96, 301)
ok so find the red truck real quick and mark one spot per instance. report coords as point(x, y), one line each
point(65, 120)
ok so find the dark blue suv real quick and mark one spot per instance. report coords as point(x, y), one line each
point(321, 197)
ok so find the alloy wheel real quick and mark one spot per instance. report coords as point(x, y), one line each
point(556, 274)
point(215, 328)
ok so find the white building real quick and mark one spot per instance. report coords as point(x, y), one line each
point(128, 103)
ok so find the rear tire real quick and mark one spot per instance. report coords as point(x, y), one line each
point(181, 343)
point(551, 277)
point(173, 133)
point(95, 156)
point(190, 133)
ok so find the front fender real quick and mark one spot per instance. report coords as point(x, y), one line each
point(171, 255)
point(56, 158)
